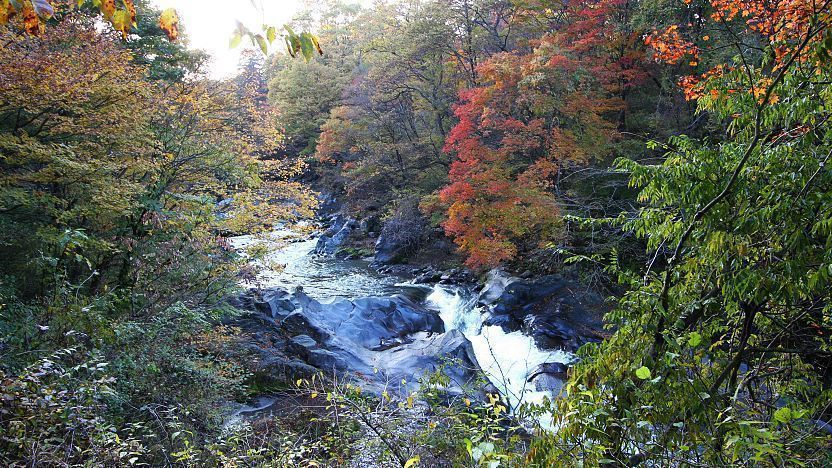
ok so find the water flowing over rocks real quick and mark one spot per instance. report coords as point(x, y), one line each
point(557, 312)
point(392, 323)
point(382, 340)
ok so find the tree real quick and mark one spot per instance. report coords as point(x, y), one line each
point(384, 140)
point(732, 316)
point(537, 112)
point(117, 196)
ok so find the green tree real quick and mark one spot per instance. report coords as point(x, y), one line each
point(721, 351)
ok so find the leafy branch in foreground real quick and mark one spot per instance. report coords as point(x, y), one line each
point(734, 318)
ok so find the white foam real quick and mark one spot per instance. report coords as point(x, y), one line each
point(508, 359)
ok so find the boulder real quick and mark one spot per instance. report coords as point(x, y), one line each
point(280, 302)
point(451, 352)
point(511, 295)
point(336, 236)
point(556, 312)
point(388, 250)
point(549, 377)
point(551, 330)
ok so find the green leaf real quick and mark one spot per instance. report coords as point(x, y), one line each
point(271, 34)
point(235, 40)
point(643, 373)
point(306, 46)
point(694, 339)
point(783, 415)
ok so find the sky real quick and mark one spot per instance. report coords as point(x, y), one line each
point(210, 23)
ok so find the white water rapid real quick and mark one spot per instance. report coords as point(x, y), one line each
point(507, 359)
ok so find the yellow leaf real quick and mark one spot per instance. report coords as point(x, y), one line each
point(108, 8)
point(169, 22)
point(412, 462)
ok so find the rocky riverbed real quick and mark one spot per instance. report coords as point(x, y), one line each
point(387, 326)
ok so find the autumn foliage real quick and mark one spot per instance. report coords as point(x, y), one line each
point(782, 25)
point(557, 105)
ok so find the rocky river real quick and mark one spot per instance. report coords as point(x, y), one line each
point(314, 312)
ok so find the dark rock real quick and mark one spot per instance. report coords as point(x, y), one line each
point(250, 301)
point(510, 295)
point(549, 376)
point(546, 308)
point(547, 383)
point(286, 368)
point(327, 360)
point(551, 331)
point(370, 225)
point(557, 369)
point(297, 323)
point(336, 236)
point(385, 339)
point(302, 344)
point(280, 302)
point(388, 250)
point(507, 322)
point(428, 277)
point(328, 203)
point(450, 351)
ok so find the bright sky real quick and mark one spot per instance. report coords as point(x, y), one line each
point(210, 23)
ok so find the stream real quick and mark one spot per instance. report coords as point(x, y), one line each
point(507, 359)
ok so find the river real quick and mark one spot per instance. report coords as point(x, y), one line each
point(507, 359)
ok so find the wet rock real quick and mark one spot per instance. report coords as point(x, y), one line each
point(546, 308)
point(507, 322)
point(401, 270)
point(453, 276)
point(510, 295)
point(451, 352)
point(384, 339)
point(336, 236)
point(549, 377)
point(369, 321)
point(280, 302)
point(428, 277)
point(551, 330)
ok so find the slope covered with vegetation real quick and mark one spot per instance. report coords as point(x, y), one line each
point(672, 154)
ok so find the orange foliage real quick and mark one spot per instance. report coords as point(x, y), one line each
point(780, 24)
point(536, 112)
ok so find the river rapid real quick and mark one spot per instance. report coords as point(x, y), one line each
point(507, 359)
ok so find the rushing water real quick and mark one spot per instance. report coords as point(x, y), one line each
point(292, 264)
point(506, 358)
